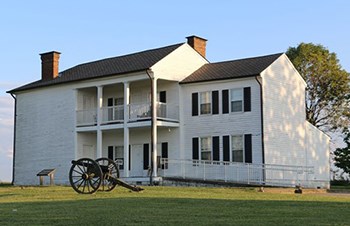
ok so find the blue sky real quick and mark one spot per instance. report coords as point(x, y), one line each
point(89, 30)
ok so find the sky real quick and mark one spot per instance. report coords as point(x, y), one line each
point(88, 30)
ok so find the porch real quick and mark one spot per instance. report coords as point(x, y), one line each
point(126, 102)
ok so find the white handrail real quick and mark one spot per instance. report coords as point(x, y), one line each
point(246, 173)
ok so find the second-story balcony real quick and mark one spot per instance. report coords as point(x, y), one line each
point(136, 112)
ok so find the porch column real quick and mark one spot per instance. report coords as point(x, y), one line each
point(99, 104)
point(154, 126)
point(99, 120)
point(126, 129)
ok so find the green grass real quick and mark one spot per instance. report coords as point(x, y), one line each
point(170, 206)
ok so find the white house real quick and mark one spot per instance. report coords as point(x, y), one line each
point(240, 121)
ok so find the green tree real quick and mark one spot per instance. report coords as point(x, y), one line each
point(342, 155)
point(328, 86)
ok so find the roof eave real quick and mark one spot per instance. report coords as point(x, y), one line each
point(220, 79)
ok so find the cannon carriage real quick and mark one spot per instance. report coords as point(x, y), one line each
point(87, 176)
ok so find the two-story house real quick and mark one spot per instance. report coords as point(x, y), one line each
point(171, 113)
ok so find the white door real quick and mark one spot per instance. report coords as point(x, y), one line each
point(136, 161)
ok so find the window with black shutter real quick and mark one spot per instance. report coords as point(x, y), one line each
point(111, 152)
point(146, 164)
point(247, 99)
point(226, 148)
point(164, 155)
point(162, 96)
point(216, 149)
point(195, 148)
point(215, 102)
point(194, 104)
point(248, 148)
point(225, 102)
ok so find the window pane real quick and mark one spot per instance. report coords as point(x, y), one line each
point(236, 100)
point(236, 94)
point(205, 103)
point(205, 108)
point(237, 142)
point(237, 156)
point(236, 106)
point(118, 101)
point(205, 97)
point(206, 148)
point(206, 155)
point(237, 148)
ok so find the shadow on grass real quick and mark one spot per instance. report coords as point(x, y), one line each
point(174, 211)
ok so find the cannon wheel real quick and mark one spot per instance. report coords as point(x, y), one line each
point(110, 172)
point(85, 176)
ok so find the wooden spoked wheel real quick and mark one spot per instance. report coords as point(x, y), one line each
point(110, 172)
point(85, 176)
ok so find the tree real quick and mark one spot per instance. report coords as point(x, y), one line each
point(328, 86)
point(342, 155)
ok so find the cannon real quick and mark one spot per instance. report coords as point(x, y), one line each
point(86, 176)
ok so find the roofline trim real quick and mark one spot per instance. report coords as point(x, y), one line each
point(220, 79)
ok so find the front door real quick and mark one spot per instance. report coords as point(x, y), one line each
point(136, 161)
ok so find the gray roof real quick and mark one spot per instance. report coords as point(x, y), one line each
point(231, 69)
point(107, 67)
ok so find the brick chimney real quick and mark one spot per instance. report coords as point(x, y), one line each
point(197, 43)
point(49, 65)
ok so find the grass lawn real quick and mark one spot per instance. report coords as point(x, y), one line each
point(170, 206)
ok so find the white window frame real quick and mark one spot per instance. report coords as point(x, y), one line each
point(236, 99)
point(232, 146)
point(207, 149)
point(209, 102)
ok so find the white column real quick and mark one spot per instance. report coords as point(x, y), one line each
point(99, 104)
point(99, 144)
point(99, 120)
point(75, 123)
point(154, 126)
point(126, 129)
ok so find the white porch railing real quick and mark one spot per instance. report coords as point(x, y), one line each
point(143, 111)
point(139, 111)
point(112, 114)
point(244, 173)
point(86, 117)
point(115, 114)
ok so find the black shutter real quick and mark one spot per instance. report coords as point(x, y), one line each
point(215, 102)
point(110, 152)
point(226, 147)
point(225, 102)
point(129, 157)
point(162, 96)
point(216, 149)
point(194, 104)
point(146, 156)
point(248, 148)
point(165, 150)
point(110, 102)
point(247, 99)
point(195, 148)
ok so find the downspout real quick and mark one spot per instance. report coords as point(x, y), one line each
point(153, 123)
point(14, 139)
point(262, 123)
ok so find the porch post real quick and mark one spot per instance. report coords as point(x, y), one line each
point(126, 129)
point(99, 120)
point(154, 126)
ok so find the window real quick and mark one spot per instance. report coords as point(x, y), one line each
point(205, 103)
point(206, 148)
point(236, 100)
point(115, 108)
point(237, 148)
point(117, 154)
